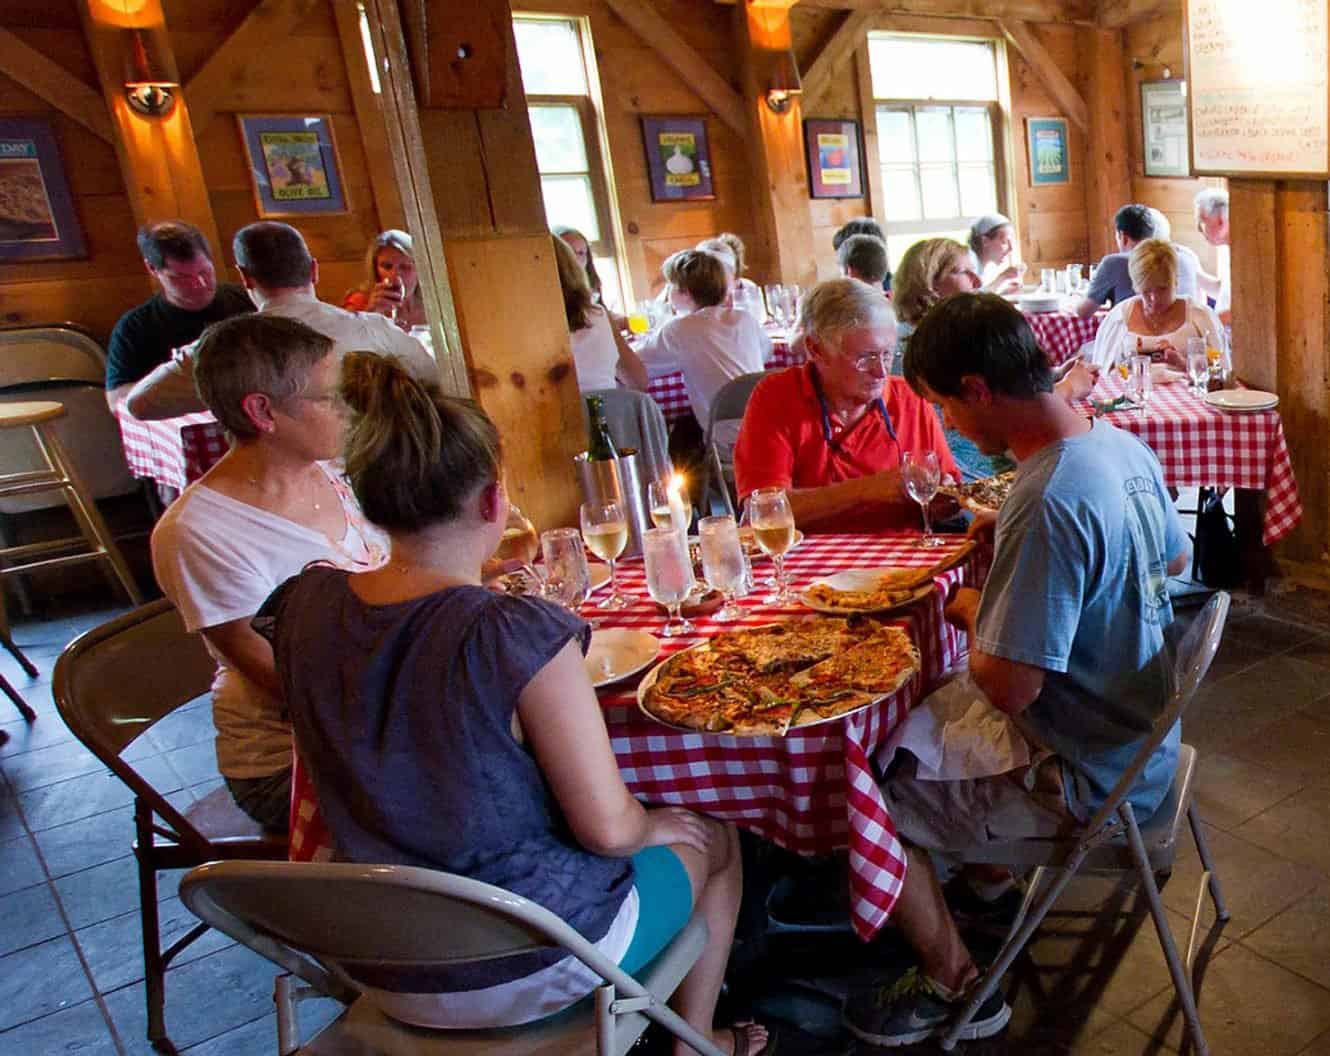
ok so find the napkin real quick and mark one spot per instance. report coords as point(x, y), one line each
point(955, 734)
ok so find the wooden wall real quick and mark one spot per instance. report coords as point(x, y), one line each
point(635, 81)
point(309, 76)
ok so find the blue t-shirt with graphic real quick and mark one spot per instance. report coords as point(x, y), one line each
point(1078, 588)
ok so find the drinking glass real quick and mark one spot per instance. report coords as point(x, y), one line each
point(1198, 364)
point(776, 304)
point(669, 575)
point(1142, 383)
point(567, 577)
point(605, 530)
point(1048, 280)
point(519, 541)
point(773, 527)
point(658, 505)
point(722, 562)
point(922, 475)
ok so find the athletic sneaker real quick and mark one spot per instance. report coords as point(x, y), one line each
point(911, 1009)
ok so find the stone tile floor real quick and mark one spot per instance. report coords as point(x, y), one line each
point(1094, 981)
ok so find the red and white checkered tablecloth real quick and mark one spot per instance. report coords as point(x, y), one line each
point(1198, 446)
point(172, 451)
point(812, 791)
point(1061, 334)
point(668, 390)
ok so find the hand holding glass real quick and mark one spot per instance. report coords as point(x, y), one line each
point(722, 562)
point(773, 528)
point(669, 575)
point(921, 475)
point(605, 530)
point(567, 577)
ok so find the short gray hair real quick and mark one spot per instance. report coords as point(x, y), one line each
point(837, 306)
point(1211, 202)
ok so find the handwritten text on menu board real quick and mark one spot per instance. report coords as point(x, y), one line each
point(1257, 78)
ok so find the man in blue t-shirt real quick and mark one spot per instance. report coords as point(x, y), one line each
point(1068, 635)
point(1112, 281)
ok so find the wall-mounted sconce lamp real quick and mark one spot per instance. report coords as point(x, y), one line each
point(148, 88)
point(785, 83)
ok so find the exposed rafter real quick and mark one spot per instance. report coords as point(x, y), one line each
point(1114, 14)
point(48, 79)
point(1080, 12)
point(817, 78)
point(1064, 93)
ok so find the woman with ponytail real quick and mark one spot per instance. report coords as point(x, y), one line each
point(453, 727)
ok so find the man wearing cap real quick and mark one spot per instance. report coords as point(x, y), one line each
point(993, 241)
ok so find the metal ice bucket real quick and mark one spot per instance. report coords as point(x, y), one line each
point(617, 480)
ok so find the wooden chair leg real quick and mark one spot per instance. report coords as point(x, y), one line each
point(24, 709)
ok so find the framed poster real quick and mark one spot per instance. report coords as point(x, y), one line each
point(835, 163)
point(293, 164)
point(37, 218)
point(1050, 160)
point(1164, 128)
point(678, 159)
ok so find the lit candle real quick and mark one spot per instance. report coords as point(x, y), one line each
point(675, 494)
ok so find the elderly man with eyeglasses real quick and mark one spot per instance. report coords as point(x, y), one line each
point(833, 432)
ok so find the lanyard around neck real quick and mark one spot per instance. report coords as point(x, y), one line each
point(827, 432)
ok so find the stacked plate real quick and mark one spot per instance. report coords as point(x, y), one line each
point(1039, 302)
point(1242, 401)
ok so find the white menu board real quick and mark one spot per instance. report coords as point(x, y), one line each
point(1258, 87)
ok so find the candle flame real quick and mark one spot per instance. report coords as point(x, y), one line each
point(676, 483)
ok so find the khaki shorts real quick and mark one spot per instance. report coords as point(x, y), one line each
point(949, 817)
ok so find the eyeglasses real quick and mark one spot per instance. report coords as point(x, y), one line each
point(863, 364)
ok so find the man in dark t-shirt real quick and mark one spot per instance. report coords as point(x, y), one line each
point(177, 255)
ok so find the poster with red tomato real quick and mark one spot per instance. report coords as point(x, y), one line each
point(835, 167)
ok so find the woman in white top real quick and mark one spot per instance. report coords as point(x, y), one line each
point(601, 356)
point(1156, 320)
point(992, 252)
point(274, 503)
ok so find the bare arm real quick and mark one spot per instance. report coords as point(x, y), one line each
point(114, 396)
point(246, 651)
point(1085, 308)
point(631, 368)
point(815, 504)
point(167, 392)
point(1179, 563)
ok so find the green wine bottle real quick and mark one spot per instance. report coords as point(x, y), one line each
point(601, 447)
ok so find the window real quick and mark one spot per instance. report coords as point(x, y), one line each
point(938, 121)
point(574, 182)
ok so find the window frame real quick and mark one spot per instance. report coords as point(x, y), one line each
point(600, 191)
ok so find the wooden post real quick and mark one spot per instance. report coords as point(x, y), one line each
point(158, 156)
point(1107, 159)
point(776, 145)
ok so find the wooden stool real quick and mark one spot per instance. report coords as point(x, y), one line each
point(96, 543)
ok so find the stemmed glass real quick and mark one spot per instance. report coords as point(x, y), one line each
point(922, 475)
point(605, 530)
point(773, 527)
point(669, 575)
point(658, 505)
point(567, 577)
point(722, 562)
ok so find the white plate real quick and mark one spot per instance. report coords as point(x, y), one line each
point(1040, 302)
point(600, 574)
point(860, 579)
point(1242, 400)
point(617, 652)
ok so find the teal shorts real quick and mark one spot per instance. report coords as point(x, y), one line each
point(665, 902)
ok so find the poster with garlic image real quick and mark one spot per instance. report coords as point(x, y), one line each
point(678, 160)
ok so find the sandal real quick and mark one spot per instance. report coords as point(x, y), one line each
point(741, 1048)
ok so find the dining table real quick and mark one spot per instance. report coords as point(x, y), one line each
point(1061, 334)
point(814, 790)
point(1199, 445)
point(174, 452)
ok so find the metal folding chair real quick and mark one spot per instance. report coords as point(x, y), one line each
point(728, 406)
point(322, 921)
point(1112, 840)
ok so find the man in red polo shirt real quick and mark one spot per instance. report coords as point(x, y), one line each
point(832, 432)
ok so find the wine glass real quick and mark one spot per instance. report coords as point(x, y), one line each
point(669, 575)
point(567, 577)
point(519, 541)
point(773, 527)
point(605, 530)
point(658, 505)
point(1198, 365)
point(722, 562)
point(776, 304)
point(922, 475)
point(1141, 382)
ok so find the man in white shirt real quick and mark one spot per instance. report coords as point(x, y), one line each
point(279, 274)
point(1211, 208)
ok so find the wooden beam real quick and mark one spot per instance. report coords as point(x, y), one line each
point(692, 68)
point(1107, 162)
point(369, 119)
point(1064, 11)
point(876, 206)
point(1115, 14)
point(253, 43)
point(853, 28)
point(30, 68)
point(159, 159)
point(1064, 93)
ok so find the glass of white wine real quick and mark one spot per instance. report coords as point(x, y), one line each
point(669, 576)
point(605, 530)
point(922, 476)
point(773, 528)
point(722, 562)
point(567, 577)
point(658, 505)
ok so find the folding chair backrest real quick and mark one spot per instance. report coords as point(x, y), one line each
point(114, 682)
point(731, 400)
point(352, 915)
point(50, 353)
point(1190, 663)
point(636, 421)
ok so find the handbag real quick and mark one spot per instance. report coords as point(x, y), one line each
point(1218, 558)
